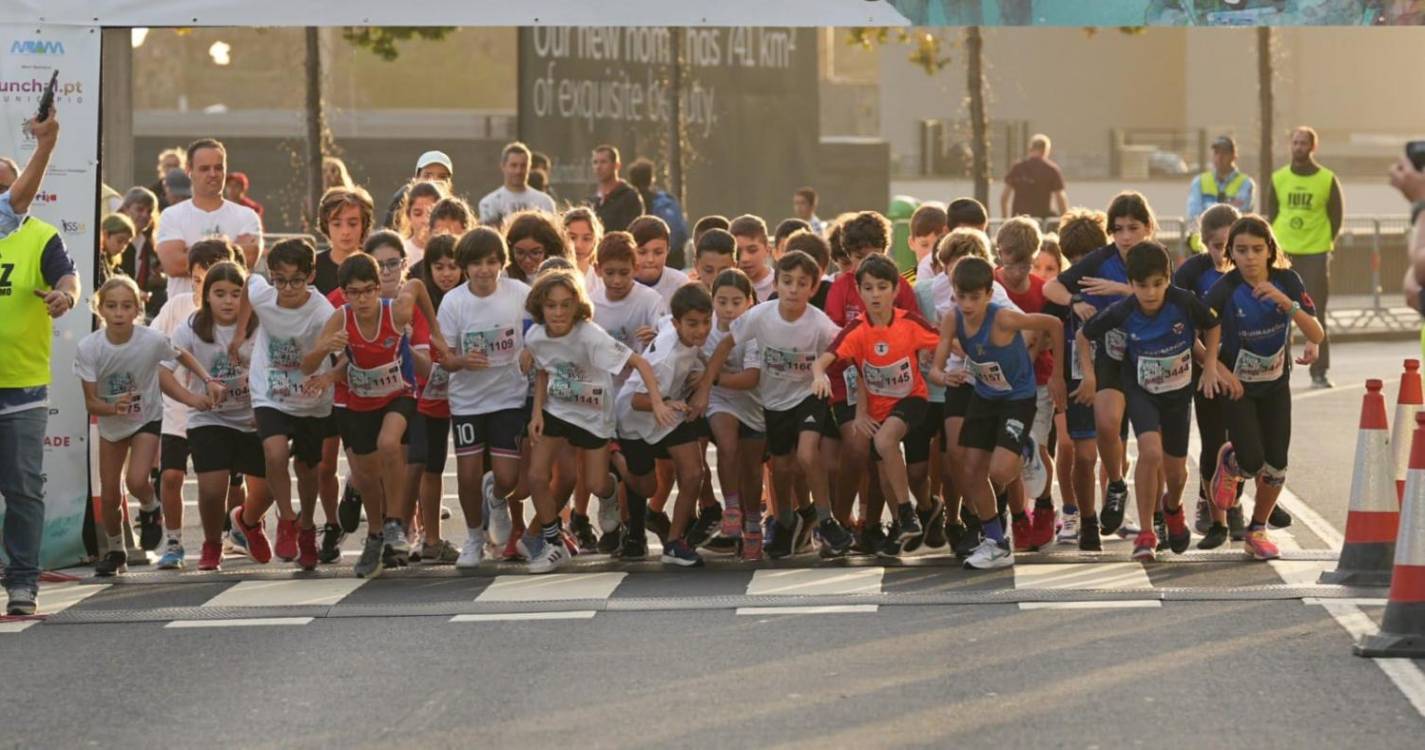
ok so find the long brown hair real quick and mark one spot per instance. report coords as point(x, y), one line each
point(202, 320)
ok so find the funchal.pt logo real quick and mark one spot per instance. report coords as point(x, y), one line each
point(36, 47)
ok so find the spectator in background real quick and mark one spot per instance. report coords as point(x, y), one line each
point(177, 187)
point(539, 162)
point(207, 214)
point(236, 191)
point(9, 171)
point(115, 232)
point(804, 206)
point(140, 260)
point(413, 221)
point(786, 228)
point(715, 221)
point(1411, 184)
point(539, 180)
point(335, 174)
point(662, 204)
point(169, 159)
point(515, 194)
point(1221, 184)
point(616, 202)
point(1034, 186)
point(432, 166)
point(1303, 203)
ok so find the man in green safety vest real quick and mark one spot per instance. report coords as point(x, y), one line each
point(1221, 184)
point(1303, 202)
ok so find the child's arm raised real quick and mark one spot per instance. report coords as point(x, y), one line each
point(1046, 325)
point(333, 339)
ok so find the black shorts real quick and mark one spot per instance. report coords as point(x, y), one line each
point(360, 429)
point(218, 448)
point(498, 431)
point(957, 400)
point(1107, 372)
point(1079, 417)
point(912, 411)
point(416, 439)
point(917, 440)
point(154, 428)
point(173, 453)
point(784, 428)
point(306, 433)
point(998, 423)
point(437, 443)
point(1170, 415)
point(640, 456)
point(554, 427)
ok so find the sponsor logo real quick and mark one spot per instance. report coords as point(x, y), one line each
point(45, 197)
point(72, 227)
point(36, 47)
point(881, 348)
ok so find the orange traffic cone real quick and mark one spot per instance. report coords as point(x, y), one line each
point(1408, 402)
point(1371, 518)
point(1402, 632)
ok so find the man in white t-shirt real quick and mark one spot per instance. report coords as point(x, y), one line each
point(516, 194)
point(206, 214)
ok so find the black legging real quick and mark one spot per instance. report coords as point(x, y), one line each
point(1259, 427)
point(1212, 428)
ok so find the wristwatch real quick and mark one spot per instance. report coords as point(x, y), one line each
point(1076, 298)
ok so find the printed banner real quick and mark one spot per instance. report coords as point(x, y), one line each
point(1161, 12)
point(68, 200)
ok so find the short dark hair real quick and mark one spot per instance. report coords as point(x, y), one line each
point(384, 238)
point(616, 247)
point(878, 266)
point(1146, 260)
point(735, 278)
point(210, 252)
point(966, 212)
point(788, 227)
point(973, 274)
point(748, 225)
point(812, 244)
point(515, 147)
point(451, 208)
point(807, 192)
point(480, 243)
point(540, 227)
point(1130, 204)
point(866, 229)
point(640, 173)
point(296, 252)
point(609, 149)
point(929, 218)
point(692, 297)
point(716, 221)
point(797, 260)
point(539, 179)
point(718, 241)
point(648, 228)
point(203, 143)
point(1082, 231)
point(358, 267)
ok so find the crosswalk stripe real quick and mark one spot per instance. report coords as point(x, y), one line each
point(581, 614)
point(1077, 576)
point(816, 582)
point(832, 609)
point(239, 623)
point(53, 599)
point(293, 593)
point(556, 587)
point(1132, 604)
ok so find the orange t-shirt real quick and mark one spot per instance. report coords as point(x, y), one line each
point(888, 358)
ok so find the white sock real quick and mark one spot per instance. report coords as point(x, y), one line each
point(116, 543)
point(175, 537)
point(148, 506)
point(475, 536)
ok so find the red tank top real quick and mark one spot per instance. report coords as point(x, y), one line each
point(375, 372)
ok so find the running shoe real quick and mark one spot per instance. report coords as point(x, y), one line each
point(1032, 469)
point(372, 560)
point(1041, 528)
point(1279, 519)
point(1202, 518)
point(1160, 529)
point(471, 553)
point(1236, 524)
point(870, 539)
point(255, 538)
point(514, 550)
point(151, 528)
point(657, 522)
point(835, 536)
point(731, 523)
point(1068, 528)
point(907, 524)
point(529, 544)
point(211, 557)
point(751, 546)
point(954, 534)
point(806, 523)
point(934, 523)
point(1145, 546)
point(1215, 537)
point(583, 531)
point(348, 511)
point(307, 555)
point(610, 541)
point(680, 553)
point(633, 548)
point(609, 516)
point(286, 547)
point(990, 555)
point(114, 563)
point(1111, 517)
point(549, 559)
point(497, 511)
point(332, 537)
point(780, 545)
point(21, 602)
point(439, 553)
point(708, 520)
point(969, 542)
point(1089, 539)
point(1258, 546)
point(397, 543)
point(720, 545)
point(1022, 532)
point(892, 546)
point(1225, 480)
point(172, 558)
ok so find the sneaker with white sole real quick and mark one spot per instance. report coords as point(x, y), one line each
point(1068, 528)
point(1032, 470)
point(609, 516)
point(21, 602)
point(549, 559)
point(497, 511)
point(473, 552)
point(990, 555)
point(172, 558)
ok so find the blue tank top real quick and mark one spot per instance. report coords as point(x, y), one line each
point(1000, 372)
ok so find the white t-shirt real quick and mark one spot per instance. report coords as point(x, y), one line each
point(128, 368)
point(581, 366)
point(788, 350)
point(766, 286)
point(925, 267)
point(235, 410)
point(673, 363)
point(414, 252)
point(185, 221)
point(284, 336)
point(495, 326)
point(175, 312)
point(671, 281)
point(642, 306)
point(502, 202)
point(998, 296)
point(745, 405)
point(592, 282)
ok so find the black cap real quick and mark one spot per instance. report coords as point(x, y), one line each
point(1224, 142)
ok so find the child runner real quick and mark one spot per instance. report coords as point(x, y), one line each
point(739, 427)
point(650, 235)
point(1258, 302)
point(927, 225)
point(754, 255)
point(1162, 323)
point(413, 218)
point(119, 368)
point(1001, 409)
point(532, 237)
point(442, 274)
point(582, 232)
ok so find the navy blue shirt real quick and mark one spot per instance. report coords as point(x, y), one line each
point(1103, 263)
point(1256, 334)
point(1158, 352)
point(1197, 275)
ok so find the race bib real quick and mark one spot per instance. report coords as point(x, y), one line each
point(787, 364)
point(438, 387)
point(989, 375)
point(1115, 342)
point(569, 385)
point(1165, 374)
point(1255, 368)
point(891, 381)
point(237, 395)
point(1076, 368)
point(849, 376)
point(376, 382)
point(120, 385)
point(284, 386)
point(497, 344)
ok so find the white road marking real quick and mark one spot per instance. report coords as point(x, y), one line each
point(830, 609)
point(555, 587)
point(53, 599)
point(292, 593)
point(1132, 604)
point(1078, 577)
point(1407, 677)
point(239, 623)
point(816, 582)
point(582, 614)
point(1353, 602)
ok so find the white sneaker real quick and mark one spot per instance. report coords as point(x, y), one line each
point(990, 555)
point(609, 517)
point(1068, 528)
point(1033, 471)
point(549, 559)
point(497, 512)
point(473, 552)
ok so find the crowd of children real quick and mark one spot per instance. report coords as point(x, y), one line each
point(853, 409)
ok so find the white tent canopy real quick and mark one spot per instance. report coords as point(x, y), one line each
point(448, 13)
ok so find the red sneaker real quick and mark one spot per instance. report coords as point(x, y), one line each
point(286, 540)
point(1145, 546)
point(1041, 532)
point(512, 549)
point(258, 547)
point(1023, 533)
point(306, 548)
point(212, 557)
point(752, 546)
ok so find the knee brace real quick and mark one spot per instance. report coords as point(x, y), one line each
point(1272, 476)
